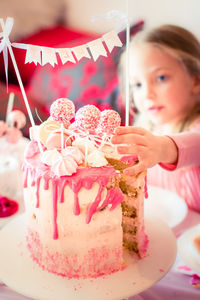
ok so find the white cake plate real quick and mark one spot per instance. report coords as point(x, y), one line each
point(166, 205)
point(19, 272)
point(186, 249)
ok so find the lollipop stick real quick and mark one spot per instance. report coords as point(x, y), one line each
point(127, 66)
point(10, 105)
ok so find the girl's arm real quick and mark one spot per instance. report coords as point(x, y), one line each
point(170, 152)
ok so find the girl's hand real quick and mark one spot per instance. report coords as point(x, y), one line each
point(149, 148)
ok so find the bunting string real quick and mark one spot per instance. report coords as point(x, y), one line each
point(43, 55)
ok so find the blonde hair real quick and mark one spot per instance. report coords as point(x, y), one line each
point(180, 43)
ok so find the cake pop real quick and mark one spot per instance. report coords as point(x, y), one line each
point(88, 117)
point(109, 121)
point(62, 110)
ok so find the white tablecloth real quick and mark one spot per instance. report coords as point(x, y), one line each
point(174, 286)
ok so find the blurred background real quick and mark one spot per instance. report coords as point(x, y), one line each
point(67, 23)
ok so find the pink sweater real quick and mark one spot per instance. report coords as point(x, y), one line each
point(184, 177)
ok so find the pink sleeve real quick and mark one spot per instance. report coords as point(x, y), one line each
point(188, 144)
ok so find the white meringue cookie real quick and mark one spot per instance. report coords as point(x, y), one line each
point(49, 156)
point(64, 166)
point(75, 153)
point(63, 163)
point(96, 159)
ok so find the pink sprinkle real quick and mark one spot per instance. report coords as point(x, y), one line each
point(109, 121)
point(161, 270)
point(62, 110)
point(133, 282)
point(87, 117)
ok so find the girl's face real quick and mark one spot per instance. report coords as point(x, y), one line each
point(162, 87)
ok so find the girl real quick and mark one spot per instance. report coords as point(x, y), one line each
point(165, 80)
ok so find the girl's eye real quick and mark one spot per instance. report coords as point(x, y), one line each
point(137, 85)
point(162, 78)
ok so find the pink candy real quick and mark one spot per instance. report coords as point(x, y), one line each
point(3, 128)
point(88, 117)
point(16, 118)
point(109, 121)
point(62, 110)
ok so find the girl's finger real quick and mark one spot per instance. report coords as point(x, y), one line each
point(131, 149)
point(130, 129)
point(138, 168)
point(129, 139)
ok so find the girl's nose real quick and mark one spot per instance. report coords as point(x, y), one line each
point(149, 92)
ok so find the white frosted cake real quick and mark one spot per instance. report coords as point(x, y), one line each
point(81, 209)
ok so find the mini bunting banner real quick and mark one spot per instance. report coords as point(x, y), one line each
point(49, 56)
point(112, 40)
point(80, 52)
point(66, 55)
point(33, 55)
point(96, 48)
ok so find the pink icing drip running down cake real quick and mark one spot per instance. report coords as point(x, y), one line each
point(81, 210)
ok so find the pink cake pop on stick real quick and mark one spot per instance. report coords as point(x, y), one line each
point(109, 121)
point(62, 110)
point(88, 117)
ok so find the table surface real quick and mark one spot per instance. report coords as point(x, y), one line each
point(174, 285)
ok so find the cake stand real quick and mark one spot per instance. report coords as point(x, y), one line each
point(20, 273)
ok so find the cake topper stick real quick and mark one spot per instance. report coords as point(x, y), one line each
point(127, 90)
point(8, 45)
point(122, 19)
point(10, 105)
point(62, 136)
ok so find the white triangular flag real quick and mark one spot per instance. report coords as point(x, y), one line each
point(97, 49)
point(112, 40)
point(66, 55)
point(49, 56)
point(80, 52)
point(33, 54)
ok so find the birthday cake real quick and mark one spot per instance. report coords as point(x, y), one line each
point(81, 210)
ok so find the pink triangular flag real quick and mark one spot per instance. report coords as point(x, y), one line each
point(112, 40)
point(49, 56)
point(66, 55)
point(33, 54)
point(97, 49)
point(80, 52)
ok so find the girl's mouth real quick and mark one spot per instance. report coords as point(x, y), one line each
point(155, 109)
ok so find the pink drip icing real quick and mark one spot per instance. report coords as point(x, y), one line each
point(62, 188)
point(94, 205)
point(145, 188)
point(76, 205)
point(113, 197)
point(55, 197)
point(82, 178)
